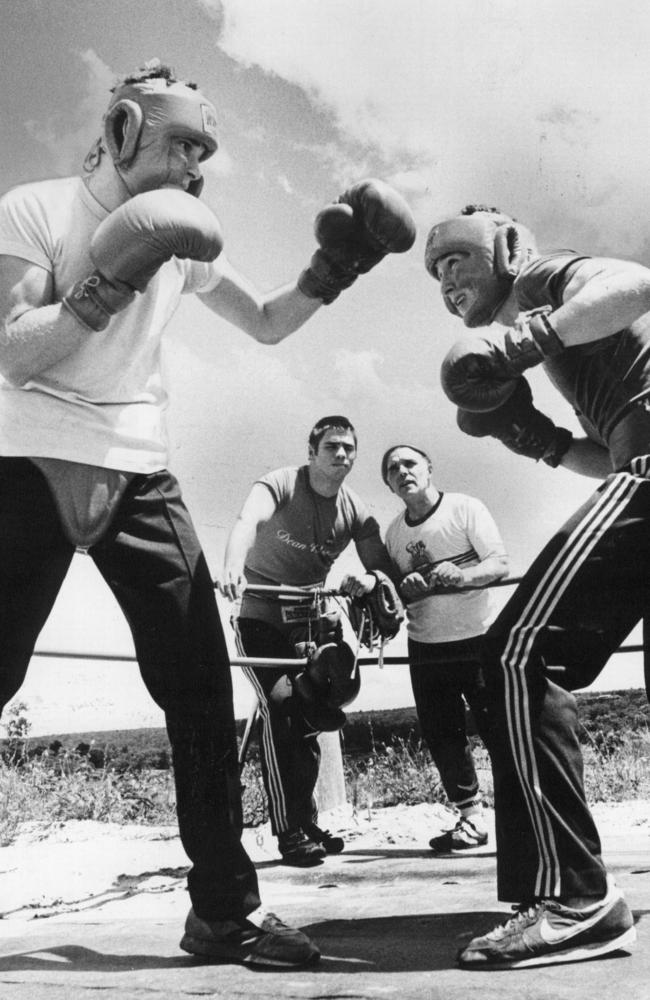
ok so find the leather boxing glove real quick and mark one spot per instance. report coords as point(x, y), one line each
point(480, 373)
point(132, 243)
point(368, 221)
point(520, 426)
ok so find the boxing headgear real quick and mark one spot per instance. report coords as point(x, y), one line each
point(144, 116)
point(504, 245)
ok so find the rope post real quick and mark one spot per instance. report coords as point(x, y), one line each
point(330, 787)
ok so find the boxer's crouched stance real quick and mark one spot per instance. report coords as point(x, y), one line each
point(586, 321)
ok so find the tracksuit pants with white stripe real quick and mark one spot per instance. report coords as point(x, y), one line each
point(576, 604)
point(289, 748)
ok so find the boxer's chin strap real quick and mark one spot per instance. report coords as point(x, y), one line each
point(86, 497)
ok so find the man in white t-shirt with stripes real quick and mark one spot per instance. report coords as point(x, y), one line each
point(446, 548)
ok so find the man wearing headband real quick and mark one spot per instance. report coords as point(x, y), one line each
point(92, 270)
point(446, 549)
point(586, 320)
point(292, 527)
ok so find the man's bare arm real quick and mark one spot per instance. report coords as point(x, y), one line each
point(258, 508)
point(35, 333)
point(587, 459)
point(267, 317)
point(603, 297)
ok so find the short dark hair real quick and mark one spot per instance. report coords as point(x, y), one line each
point(473, 208)
point(153, 70)
point(478, 207)
point(384, 461)
point(336, 422)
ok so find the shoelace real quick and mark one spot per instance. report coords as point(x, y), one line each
point(466, 826)
point(271, 922)
point(524, 916)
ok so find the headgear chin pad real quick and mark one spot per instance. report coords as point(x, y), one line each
point(506, 244)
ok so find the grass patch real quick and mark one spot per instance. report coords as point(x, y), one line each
point(109, 780)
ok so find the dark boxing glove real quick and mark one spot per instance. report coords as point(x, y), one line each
point(368, 221)
point(520, 427)
point(480, 373)
point(132, 243)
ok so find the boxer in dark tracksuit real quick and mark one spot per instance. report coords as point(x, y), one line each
point(587, 321)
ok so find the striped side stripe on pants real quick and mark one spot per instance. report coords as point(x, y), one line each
point(534, 617)
point(275, 790)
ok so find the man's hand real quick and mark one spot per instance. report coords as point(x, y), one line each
point(413, 585)
point(231, 584)
point(447, 574)
point(358, 586)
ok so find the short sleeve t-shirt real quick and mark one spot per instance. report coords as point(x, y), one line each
point(458, 529)
point(307, 532)
point(104, 403)
point(607, 381)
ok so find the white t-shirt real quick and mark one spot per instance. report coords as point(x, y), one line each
point(459, 529)
point(104, 404)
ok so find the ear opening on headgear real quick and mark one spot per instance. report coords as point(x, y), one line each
point(511, 250)
point(122, 128)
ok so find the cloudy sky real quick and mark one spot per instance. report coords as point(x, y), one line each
point(538, 106)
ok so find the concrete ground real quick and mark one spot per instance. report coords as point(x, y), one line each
point(388, 920)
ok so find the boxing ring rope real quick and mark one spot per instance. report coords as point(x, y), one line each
point(252, 661)
point(293, 664)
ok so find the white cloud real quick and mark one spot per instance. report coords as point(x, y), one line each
point(285, 184)
point(356, 373)
point(542, 109)
point(68, 143)
point(218, 166)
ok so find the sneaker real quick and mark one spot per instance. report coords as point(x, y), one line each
point(548, 933)
point(260, 939)
point(298, 850)
point(466, 834)
point(332, 845)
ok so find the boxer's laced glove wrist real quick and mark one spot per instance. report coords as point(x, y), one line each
point(532, 340)
point(521, 427)
point(558, 447)
point(323, 279)
point(547, 444)
point(326, 277)
point(94, 301)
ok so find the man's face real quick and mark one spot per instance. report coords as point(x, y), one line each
point(335, 455)
point(168, 161)
point(408, 473)
point(469, 286)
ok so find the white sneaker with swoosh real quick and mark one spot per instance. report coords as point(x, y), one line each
point(548, 933)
